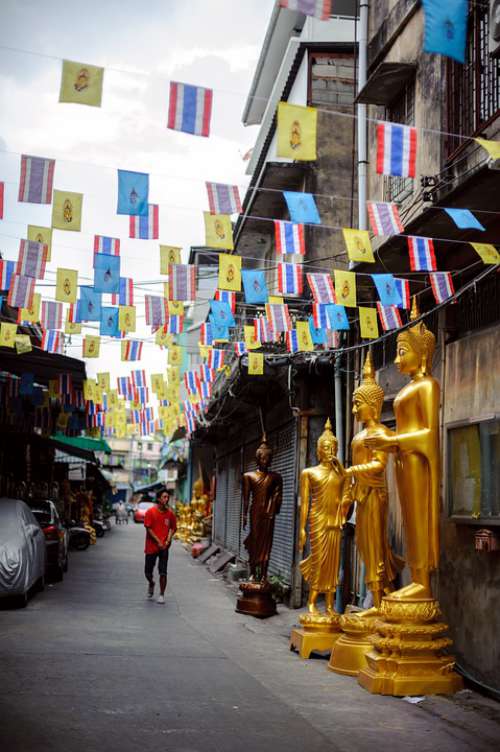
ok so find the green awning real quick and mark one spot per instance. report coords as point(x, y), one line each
point(83, 442)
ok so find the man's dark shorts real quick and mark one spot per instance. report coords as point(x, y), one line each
point(150, 562)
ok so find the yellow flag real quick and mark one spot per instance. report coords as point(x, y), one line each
point(162, 338)
point(156, 380)
point(255, 364)
point(89, 386)
point(174, 374)
point(53, 388)
point(104, 381)
point(194, 398)
point(229, 272)
point(492, 147)
point(23, 344)
point(32, 315)
point(91, 346)
point(126, 319)
point(113, 398)
point(488, 253)
point(81, 83)
point(368, 323)
point(175, 355)
point(41, 235)
point(297, 131)
point(204, 349)
point(8, 334)
point(176, 307)
point(169, 254)
point(304, 339)
point(251, 343)
point(67, 211)
point(345, 288)
point(98, 394)
point(218, 232)
point(359, 247)
point(62, 421)
point(71, 327)
point(66, 285)
point(275, 300)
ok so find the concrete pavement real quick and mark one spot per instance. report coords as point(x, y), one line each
point(91, 665)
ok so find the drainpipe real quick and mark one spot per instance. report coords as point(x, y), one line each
point(362, 115)
point(339, 418)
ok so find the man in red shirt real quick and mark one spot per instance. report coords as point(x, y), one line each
point(160, 523)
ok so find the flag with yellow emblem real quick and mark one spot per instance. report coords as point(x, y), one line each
point(67, 211)
point(345, 288)
point(169, 254)
point(163, 338)
point(104, 381)
point(368, 322)
point(66, 285)
point(487, 252)
point(229, 272)
point(91, 346)
point(304, 339)
point(32, 314)
point(174, 374)
point(41, 235)
point(81, 83)
point(113, 400)
point(255, 364)
point(8, 334)
point(218, 232)
point(275, 300)
point(126, 318)
point(89, 386)
point(176, 307)
point(358, 244)
point(175, 355)
point(297, 127)
point(251, 342)
point(23, 344)
point(71, 327)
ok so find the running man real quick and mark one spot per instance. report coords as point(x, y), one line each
point(160, 523)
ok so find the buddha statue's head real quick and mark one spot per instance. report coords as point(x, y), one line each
point(368, 398)
point(263, 455)
point(198, 488)
point(327, 444)
point(415, 347)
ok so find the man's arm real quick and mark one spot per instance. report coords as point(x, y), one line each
point(172, 529)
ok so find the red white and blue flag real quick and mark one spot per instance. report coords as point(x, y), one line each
point(422, 256)
point(32, 259)
point(292, 341)
point(289, 237)
point(206, 334)
point(109, 246)
point(206, 373)
point(226, 296)
point(126, 295)
point(7, 269)
point(321, 287)
point(133, 351)
point(384, 218)
point(189, 109)
point(192, 382)
point(181, 282)
point(205, 390)
point(147, 226)
point(36, 180)
point(262, 330)
point(21, 291)
point(124, 385)
point(215, 358)
point(403, 287)
point(138, 378)
point(442, 286)
point(223, 199)
point(278, 317)
point(318, 8)
point(320, 316)
point(239, 348)
point(51, 316)
point(156, 310)
point(65, 383)
point(396, 149)
point(53, 342)
point(290, 279)
point(175, 324)
point(390, 317)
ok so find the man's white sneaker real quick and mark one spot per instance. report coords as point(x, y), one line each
point(160, 599)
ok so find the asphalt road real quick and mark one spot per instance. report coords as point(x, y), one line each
point(90, 664)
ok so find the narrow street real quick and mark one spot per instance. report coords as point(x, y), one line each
point(91, 665)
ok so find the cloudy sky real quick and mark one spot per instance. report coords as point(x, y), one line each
point(142, 46)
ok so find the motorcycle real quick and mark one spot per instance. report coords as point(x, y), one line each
point(99, 527)
point(79, 537)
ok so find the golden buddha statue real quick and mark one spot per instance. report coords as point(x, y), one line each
point(324, 502)
point(199, 504)
point(408, 648)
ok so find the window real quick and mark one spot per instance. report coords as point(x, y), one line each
point(402, 110)
point(473, 88)
point(150, 447)
point(474, 469)
point(332, 78)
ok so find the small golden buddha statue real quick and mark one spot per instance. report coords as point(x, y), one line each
point(198, 504)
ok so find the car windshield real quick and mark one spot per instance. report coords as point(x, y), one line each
point(44, 518)
point(145, 504)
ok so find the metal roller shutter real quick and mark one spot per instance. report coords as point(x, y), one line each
point(233, 507)
point(220, 502)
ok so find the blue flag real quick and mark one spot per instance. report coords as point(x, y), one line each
point(106, 273)
point(388, 290)
point(445, 27)
point(109, 321)
point(464, 219)
point(221, 313)
point(318, 336)
point(254, 285)
point(133, 193)
point(89, 305)
point(337, 316)
point(302, 208)
point(218, 332)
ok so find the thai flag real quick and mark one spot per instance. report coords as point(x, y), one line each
point(320, 316)
point(147, 226)
point(262, 330)
point(225, 296)
point(189, 109)
point(206, 334)
point(215, 359)
point(290, 279)
point(384, 218)
point(396, 150)
point(442, 286)
point(156, 310)
point(123, 383)
point(205, 390)
point(422, 256)
point(109, 246)
point(181, 282)
point(289, 237)
point(322, 287)
point(292, 342)
point(175, 324)
point(133, 350)
point(240, 348)
point(389, 316)
point(6, 272)
point(206, 373)
point(190, 423)
point(318, 8)
point(223, 199)
point(403, 287)
point(21, 291)
point(191, 382)
point(32, 259)
point(126, 295)
point(78, 400)
point(138, 378)
point(51, 316)
point(52, 342)
point(278, 317)
point(36, 179)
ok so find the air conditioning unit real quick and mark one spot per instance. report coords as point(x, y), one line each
point(494, 43)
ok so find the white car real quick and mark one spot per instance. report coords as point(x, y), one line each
point(22, 551)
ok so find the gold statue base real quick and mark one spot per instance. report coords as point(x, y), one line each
point(318, 633)
point(349, 654)
point(256, 600)
point(407, 655)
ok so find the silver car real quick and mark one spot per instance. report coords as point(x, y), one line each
point(22, 550)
